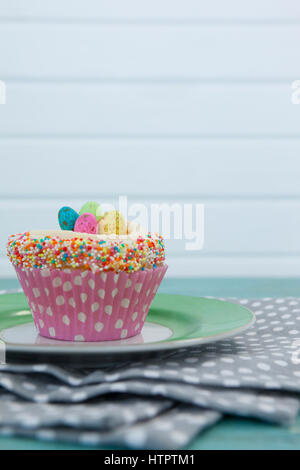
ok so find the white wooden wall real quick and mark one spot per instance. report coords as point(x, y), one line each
point(161, 100)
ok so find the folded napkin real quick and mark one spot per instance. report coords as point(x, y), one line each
point(163, 402)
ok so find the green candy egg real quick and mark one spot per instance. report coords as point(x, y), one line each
point(91, 207)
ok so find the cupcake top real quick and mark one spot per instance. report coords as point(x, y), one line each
point(88, 241)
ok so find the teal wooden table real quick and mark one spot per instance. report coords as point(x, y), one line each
point(230, 433)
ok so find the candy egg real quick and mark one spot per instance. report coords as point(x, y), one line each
point(112, 222)
point(67, 218)
point(99, 213)
point(91, 207)
point(86, 223)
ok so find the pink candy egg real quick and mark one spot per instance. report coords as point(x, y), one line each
point(86, 223)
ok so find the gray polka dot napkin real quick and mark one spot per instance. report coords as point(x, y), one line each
point(163, 403)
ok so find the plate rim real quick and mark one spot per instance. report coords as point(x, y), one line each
point(133, 348)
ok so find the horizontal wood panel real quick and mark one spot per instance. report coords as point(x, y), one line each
point(258, 228)
point(271, 267)
point(149, 110)
point(156, 9)
point(230, 168)
point(184, 101)
point(149, 52)
point(242, 266)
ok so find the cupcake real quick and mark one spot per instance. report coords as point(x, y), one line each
point(93, 279)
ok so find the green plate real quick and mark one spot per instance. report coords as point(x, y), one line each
point(174, 321)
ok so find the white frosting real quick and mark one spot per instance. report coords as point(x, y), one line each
point(68, 235)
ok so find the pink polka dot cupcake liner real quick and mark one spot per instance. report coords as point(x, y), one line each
point(76, 305)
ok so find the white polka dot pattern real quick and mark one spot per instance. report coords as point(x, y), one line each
point(108, 309)
point(82, 317)
point(101, 293)
point(99, 326)
point(57, 282)
point(114, 292)
point(117, 421)
point(45, 273)
point(67, 286)
point(93, 306)
point(60, 300)
point(119, 323)
point(78, 338)
point(36, 292)
point(66, 320)
point(77, 281)
point(49, 311)
point(243, 375)
point(125, 303)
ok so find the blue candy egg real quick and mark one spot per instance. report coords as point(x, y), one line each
point(67, 218)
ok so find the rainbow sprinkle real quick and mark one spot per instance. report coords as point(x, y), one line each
point(144, 252)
